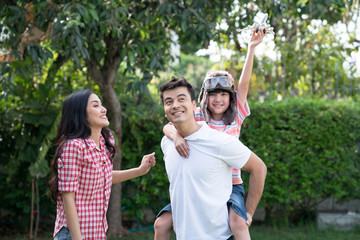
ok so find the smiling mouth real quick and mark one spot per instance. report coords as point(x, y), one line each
point(177, 113)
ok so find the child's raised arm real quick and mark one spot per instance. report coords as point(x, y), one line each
point(243, 85)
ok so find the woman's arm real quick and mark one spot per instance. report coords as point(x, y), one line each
point(180, 144)
point(71, 215)
point(147, 162)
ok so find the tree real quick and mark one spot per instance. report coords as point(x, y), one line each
point(97, 37)
point(309, 56)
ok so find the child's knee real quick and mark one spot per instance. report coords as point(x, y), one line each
point(163, 223)
point(159, 223)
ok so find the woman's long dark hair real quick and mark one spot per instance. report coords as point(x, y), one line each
point(73, 125)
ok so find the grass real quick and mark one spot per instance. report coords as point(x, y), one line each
point(301, 233)
point(258, 232)
point(276, 233)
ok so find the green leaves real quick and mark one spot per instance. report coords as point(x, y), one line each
point(40, 168)
point(309, 147)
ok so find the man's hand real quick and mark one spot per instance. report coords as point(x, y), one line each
point(249, 219)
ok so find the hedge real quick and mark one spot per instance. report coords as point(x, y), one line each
point(311, 149)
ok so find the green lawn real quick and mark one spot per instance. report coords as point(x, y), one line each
point(257, 233)
point(276, 233)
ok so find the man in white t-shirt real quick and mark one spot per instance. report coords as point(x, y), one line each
point(200, 185)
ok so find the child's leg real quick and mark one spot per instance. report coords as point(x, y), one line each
point(162, 226)
point(238, 226)
point(237, 214)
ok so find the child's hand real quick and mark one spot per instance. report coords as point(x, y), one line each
point(147, 162)
point(181, 146)
point(257, 37)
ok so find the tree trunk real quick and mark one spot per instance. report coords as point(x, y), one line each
point(32, 209)
point(106, 80)
point(37, 208)
point(114, 212)
point(114, 111)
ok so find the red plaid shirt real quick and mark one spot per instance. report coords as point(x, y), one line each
point(86, 170)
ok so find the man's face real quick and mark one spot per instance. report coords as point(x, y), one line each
point(178, 106)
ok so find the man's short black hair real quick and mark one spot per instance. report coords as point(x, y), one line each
point(175, 83)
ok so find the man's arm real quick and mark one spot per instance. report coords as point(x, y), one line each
point(243, 85)
point(180, 144)
point(257, 169)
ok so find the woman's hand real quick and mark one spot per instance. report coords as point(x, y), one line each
point(147, 162)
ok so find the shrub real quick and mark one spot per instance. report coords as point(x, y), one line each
point(311, 148)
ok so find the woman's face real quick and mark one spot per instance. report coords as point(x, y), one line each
point(96, 113)
point(218, 104)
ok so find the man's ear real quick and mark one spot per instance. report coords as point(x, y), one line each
point(194, 105)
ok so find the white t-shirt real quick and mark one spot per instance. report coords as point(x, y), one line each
point(200, 185)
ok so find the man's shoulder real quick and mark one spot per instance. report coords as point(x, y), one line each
point(214, 131)
point(218, 136)
point(165, 141)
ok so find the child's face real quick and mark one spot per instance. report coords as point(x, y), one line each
point(218, 104)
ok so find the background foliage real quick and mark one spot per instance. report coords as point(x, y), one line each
point(312, 150)
point(309, 56)
point(117, 45)
point(125, 45)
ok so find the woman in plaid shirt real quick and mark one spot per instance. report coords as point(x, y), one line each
point(83, 169)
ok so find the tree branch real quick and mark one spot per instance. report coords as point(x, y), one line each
point(95, 72)
point(112, 70)
point(55, 66)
